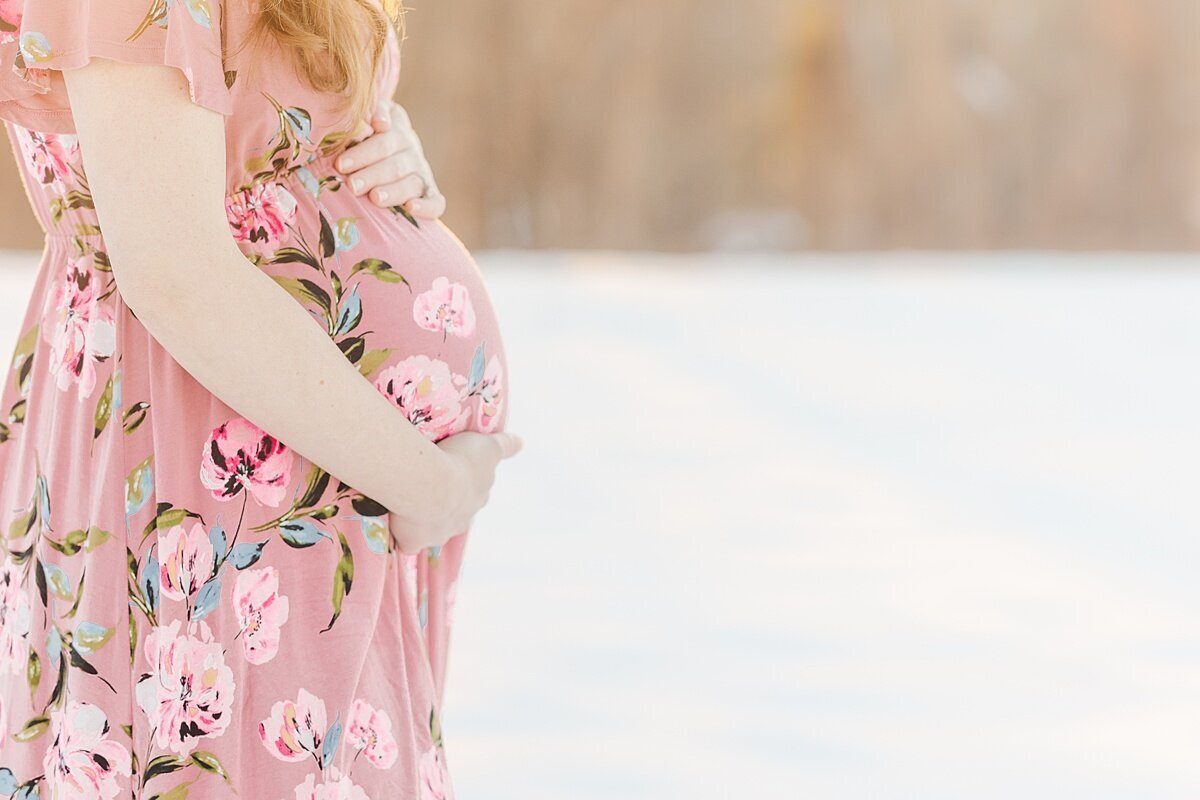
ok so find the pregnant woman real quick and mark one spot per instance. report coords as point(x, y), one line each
point(250, 418)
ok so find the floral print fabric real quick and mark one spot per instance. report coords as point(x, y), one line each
point(188, 607)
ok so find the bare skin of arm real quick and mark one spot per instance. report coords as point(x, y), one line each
point(180, 271)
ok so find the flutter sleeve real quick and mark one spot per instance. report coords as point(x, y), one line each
point(41, 38)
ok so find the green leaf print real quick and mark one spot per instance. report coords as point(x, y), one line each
point(381, 270)
point(435, 727)
point(352, 348)
point(40, 577)
point(78, 595)
point(103, 409)
point(210, 763)
point(179, 792)
point(16, 415)
point(343, 579)
point(135, 415)
point(162, 765)
point(32, 729)
point(33, 673)
point(373, 360)
point(307, 292)
point(71, 544)
point(294, 255)
point(328, 245)
point(318, 482)
point(22, 362)
point(139, 486)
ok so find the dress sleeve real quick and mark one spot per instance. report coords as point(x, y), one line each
point(40, 38)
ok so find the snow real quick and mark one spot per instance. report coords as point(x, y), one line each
point(862, 526)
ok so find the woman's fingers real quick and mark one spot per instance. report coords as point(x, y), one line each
point(397, 193)
point(390, 166)
point(431, 207)
point(381, 120)
point(389, 170)
point(510, 443)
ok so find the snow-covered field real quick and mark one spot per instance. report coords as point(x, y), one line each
point(886, 527)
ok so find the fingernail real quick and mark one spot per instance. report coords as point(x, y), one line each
point(345, 164)
point(356, 184)
point(416, 208)
point(383, 195)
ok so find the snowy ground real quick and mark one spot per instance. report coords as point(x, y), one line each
point(891, 527)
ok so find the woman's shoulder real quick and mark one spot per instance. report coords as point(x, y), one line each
point(41, 38)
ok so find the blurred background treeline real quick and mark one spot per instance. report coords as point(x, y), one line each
point(797, 124)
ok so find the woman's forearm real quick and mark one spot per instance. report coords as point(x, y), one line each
point(222, 319)
point(283, 373)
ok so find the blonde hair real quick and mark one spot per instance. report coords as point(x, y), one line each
point(335, 44)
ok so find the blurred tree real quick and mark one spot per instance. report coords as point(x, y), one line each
point(843, 124)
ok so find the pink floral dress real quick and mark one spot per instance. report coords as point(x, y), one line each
point(189, 608)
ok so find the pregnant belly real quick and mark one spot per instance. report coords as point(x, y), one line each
point(405, 303)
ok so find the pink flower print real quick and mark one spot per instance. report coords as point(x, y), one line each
point(491, 396)
point(240, 455)
point(49, 156)
point(82, 762)
point(185, 560)
point(435, 780)
point(15, 618)
point(10, 20)
point(83, 333)
point(261, 213)
point(295, 730)
point(338, 787)
point(261, 612)
point(445, 308)
point(369, 730)
point(188, 694)
point(428, 393)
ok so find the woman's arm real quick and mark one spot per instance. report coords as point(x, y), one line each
point(156, 168)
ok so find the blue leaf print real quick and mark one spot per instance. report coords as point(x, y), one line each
point(301, 533)
point(116, 392)
point(476, 374)
point(246, 554)
point(151, 582)
point(216, 535)
point(345, 233)
point(300, 122)
point(8, 783)
point(57, 581)
point(207, 598)
point(28, 791)
point(333, 737)
point(309, 181)
point(375, 531)
point(53, 647)
point(34, 47)
point(351, 313)
point(200, 12)
point(90, 637)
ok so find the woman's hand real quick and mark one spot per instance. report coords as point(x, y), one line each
point(474, 457)
point(389, 166)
